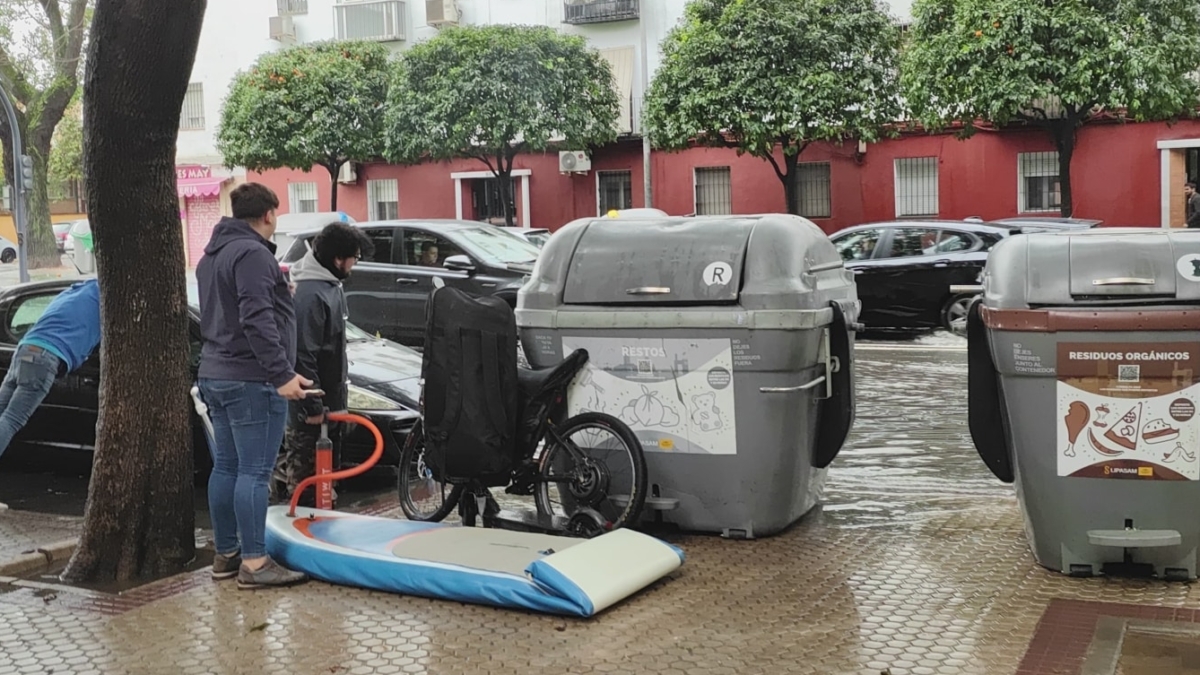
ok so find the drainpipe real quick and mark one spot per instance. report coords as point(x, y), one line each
point(17, 178)
point(646, 190)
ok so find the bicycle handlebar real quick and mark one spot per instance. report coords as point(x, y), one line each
point(347, 473)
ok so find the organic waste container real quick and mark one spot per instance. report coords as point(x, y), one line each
point(1084, 353)
point(724, 342)
point(83, 256)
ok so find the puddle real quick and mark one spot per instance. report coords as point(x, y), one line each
point(1146, 650)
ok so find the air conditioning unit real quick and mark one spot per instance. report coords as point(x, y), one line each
point(441, 12)
point(574, 161)
point(348, 174)
point(283, 29)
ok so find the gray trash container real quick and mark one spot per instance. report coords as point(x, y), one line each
point(1084, 357)
point(725, 343)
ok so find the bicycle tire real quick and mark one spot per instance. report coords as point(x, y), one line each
point(407, 459)
point(637, 500)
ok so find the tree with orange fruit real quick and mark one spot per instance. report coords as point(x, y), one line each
point(1051, 64)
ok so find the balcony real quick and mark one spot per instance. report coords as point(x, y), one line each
point(381, 20)
point(600, 11)
point(292, 7)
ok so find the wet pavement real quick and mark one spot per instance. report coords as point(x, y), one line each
point(916, 564)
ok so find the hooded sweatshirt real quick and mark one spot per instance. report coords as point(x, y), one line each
point(247, 319)
point(320, 335)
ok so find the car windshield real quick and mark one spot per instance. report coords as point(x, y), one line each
point(499, 247)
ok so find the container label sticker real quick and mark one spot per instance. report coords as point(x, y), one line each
point(1188, 266)
point(676, 395)
point(1128, 410)
point(718, 274)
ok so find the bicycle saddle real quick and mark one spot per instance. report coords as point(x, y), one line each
point(533, 383)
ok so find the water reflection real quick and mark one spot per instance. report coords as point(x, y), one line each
point(909, 456)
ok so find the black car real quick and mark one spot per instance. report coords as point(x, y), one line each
point(1027, 224)
point(904, 269)
point(384, 383)
point(388, 290)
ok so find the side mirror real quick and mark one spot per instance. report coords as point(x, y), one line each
point(459, 263)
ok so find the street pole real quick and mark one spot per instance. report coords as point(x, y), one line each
point(647, 197)
point(17, 178)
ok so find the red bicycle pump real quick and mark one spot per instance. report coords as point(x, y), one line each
point(325, 475)
point(324, 466)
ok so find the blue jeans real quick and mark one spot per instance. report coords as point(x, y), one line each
point(29, 379)
point(248, 421)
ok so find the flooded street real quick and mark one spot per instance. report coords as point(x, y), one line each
point(909, 457)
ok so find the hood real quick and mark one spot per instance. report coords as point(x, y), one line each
point(386, 368)
point(229, 230)
point(308, 269)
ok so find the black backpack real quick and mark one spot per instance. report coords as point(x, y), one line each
point(470, 395)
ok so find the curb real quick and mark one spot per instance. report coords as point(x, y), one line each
point(38, 559)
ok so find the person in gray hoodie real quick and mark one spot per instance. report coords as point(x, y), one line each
point(321, 314)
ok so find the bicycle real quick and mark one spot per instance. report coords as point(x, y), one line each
point(592, 496)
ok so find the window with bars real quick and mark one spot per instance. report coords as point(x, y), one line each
point(302, 197)
point(614, 190)
point(1038, 186)
point(916, 186)
point(191, 118)
point(812, 183)
point(714, 191)
point(383, 198)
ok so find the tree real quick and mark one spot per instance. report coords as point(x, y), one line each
point(40, 68)
point(492, 92)
point(768, 76)
point(1051, 65)
point(316, 104)
point(66, 155)
point(139, 519)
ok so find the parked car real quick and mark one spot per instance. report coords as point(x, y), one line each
point(384, 383)
point(387, 291)
point(8, 251)
point(1042, 223)
point(60, 234)
point(288, 224)
point(904, 269)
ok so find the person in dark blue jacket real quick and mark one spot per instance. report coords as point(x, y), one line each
point(58, 343)
point(247, 376)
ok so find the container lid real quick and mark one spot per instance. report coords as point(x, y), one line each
point(659, 261)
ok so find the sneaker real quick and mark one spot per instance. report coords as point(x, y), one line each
point(226, 567)
point(270, 574)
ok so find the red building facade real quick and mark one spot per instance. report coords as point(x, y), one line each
point(1123, 174)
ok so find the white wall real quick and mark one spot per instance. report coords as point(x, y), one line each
point(236, 32)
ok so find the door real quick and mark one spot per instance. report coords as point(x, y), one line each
point(917, 270)
point(859, 249)
point(67, 416)
point(423, 258)
point(373, 291)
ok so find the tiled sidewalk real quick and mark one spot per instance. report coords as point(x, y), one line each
point(956, 594)
point(22, 533)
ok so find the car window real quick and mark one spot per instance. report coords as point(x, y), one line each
point(382, 238)
point(909, 242)
point(498, 248)
point(858, 245)
point(950, 241)
point(425, 249)
point(989, 240)
point(26, 311)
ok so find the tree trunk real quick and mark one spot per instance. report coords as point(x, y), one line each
point(334, 169)
point(791, 190)
point(1064, 139)
point(139, 519)
point(504, 176)
point(40, 245)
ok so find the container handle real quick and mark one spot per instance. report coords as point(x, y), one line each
point(825, 267)
point(1123, 281)
point(649, 290)
point(788, 390)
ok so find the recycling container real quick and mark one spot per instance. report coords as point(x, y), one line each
point(83, 256)
point(1084, 353)
point(725, 343)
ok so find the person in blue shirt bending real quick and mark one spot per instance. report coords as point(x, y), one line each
point(62, 339)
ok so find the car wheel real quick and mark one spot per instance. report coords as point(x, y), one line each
point(954, 313)
point(8, 255)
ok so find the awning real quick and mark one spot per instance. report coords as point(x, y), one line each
point(620, 59)
point(200, 187)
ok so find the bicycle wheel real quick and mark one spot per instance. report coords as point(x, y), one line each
point(609, 475)
point(422, 497)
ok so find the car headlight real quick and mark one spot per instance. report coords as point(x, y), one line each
point(361, 399)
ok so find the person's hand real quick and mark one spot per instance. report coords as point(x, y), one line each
point(292, 288)
point(314, 420)
point(294, 389)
